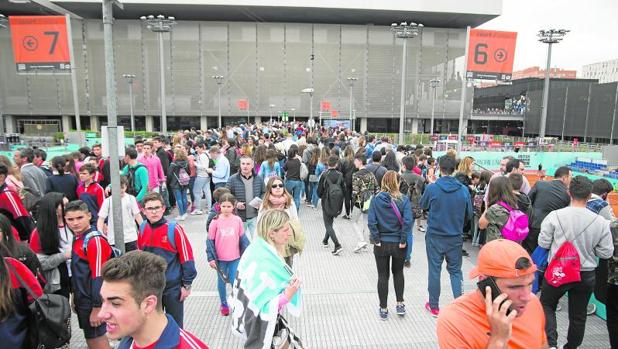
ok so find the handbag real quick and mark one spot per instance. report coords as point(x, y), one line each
point(313, 178)
point(284, 337)
point(49, 326)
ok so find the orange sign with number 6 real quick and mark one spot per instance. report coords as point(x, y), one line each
point(491, 54)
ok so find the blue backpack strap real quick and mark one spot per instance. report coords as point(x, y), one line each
point(142, 227)
point(171, 227)
point(87, 238)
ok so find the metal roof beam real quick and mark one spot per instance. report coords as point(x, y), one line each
point(55, 8)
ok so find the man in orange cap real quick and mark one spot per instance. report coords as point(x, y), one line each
point(474, 321)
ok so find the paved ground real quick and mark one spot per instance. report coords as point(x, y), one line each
point(340, 297)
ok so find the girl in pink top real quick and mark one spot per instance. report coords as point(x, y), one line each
point(226, 243)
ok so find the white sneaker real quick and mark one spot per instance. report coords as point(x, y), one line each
point(361, 245)
point(197, 212)
point(180, 218)
point(184, 216)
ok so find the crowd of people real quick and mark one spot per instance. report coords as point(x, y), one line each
point(249, 183)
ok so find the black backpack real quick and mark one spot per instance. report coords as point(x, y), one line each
point(50, 318)
point(332, 202)
point(131, 179)
point(414, 194)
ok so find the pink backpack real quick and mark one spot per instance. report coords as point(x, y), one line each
point(516, 227)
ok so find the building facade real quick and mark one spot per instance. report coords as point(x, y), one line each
point(266, 60)
point(578, 108)
point(537, 72)
point(603, 71)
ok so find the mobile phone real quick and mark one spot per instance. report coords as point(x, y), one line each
point(495, 290)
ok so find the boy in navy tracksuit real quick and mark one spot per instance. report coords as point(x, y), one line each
point(86, 266)
point(168, 240)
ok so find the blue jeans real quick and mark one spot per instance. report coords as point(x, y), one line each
point(440, 248)
point(229, 269)
point(295, 187)
point(202, 187)
point(220, 185)
point(409, 242)
point(307, 189)
point(314, 194)
point(181, 200)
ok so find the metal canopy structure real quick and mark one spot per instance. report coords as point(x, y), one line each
point(235, 13)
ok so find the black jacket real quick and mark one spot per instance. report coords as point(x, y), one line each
point(347, 168)
point(547, 196)
point(237, 188)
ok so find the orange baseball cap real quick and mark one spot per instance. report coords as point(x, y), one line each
point(498, 258)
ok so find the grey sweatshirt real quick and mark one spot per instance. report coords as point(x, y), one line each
point(595, 241)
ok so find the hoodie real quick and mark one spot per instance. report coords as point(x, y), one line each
point(173, 173)
point(384, 225)
point(449, 205)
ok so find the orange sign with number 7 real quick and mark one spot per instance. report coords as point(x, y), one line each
point(40, 43)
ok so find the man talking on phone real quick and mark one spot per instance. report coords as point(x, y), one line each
point(503, 312)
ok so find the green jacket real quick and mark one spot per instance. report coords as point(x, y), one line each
point(141, 180)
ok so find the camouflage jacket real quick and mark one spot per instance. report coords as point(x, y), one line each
point(612, 264)
point(497, 217)
point(363, 181)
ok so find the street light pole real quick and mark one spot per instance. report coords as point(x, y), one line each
point(130, 78)
point(112, 118)
point(3, 24)
point(294, 114)
point(271, 112)
point(219, 80)
point(351, 80)
point(549, 37)
point(433, 83)
point(160, 24)
point(404, 31)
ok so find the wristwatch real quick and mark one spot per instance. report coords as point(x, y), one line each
point(187, 287)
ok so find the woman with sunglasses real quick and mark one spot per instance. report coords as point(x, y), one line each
point(277, 197)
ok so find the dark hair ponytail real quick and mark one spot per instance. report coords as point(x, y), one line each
point(59, 163)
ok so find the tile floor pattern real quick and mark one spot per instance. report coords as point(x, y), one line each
point(340, 299)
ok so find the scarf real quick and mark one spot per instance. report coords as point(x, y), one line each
point(262, 276)
point(277, 202)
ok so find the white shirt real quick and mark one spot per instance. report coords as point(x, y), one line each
point(129, 210)
point(66, 243)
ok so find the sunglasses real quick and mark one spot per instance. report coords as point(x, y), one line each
point(277, 185)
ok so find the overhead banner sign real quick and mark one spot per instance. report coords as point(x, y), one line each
point(243, 104)
point(40, 43)
point(491, 54)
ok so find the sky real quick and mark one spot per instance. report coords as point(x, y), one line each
point(593, 37)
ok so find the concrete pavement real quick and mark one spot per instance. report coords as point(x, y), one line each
point(340, 297)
